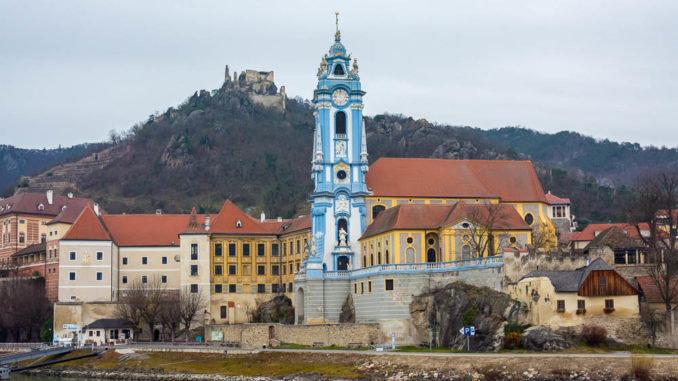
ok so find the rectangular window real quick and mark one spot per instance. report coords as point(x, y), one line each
point(275, 270)
point(261, 288)
point(261, 270)
point(100, 275)
point(194, 251)
point(194, 288)
point(144, 260)
point(217, 289)
point(362, 287)
point(246, 249)
point(274, 249)
point(275, 288)
point(231, 288)
point(231, 269)
point(298, 247)
point(284, 250)
point(609, 305)
point(388, 284)
point(291, 268)
point(369, 286)
point(71, 275)
point(231, 249)
point(217, 250)
point(98, 333)
point(144, 279)
point(217, 270)
point(291, 247)
point(100, 256)
point(261, 251)
point(561, 305)
point(602, 281)
point(297, 266)
point(124, 260)
point(581, 306)
point(355, 288)
point(222, 312)
point(71, 256)
point(164, 260)
point(163, 278)
point(124, 279)
point(194, 270)
point(289, 287)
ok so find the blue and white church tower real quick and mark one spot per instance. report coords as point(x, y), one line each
point(339, 165)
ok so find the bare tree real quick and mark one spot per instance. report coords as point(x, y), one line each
point(130, 306)
point(653, 211)
point(170, 314)
point(485, 219)
point(191, 303)
point(24, 307)
point(154, 293)
point(544, 236)
point(652, 320)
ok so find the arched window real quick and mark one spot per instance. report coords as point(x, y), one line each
point(342, 224)
point(365, 261)
point(387, 259)
point(340, 123)
point(431, 256)
point(379, 258)
point(371, 259)
point(339, 70)
point(466, 252)
point(410, 255)
point(376, 210)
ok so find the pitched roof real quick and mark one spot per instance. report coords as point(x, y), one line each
point(295, 225)
point(570, 280)
point(147, 229)
point(226, 222)
point(194, 226)
point(72, 210)
point(555, 200)
point(28, 203)
point(88, 226)
point(107, 323)
point(32, 249)
point(429, 217)
point(590, 232)
point(651, 291)
point(616, 237)
point(441, 178)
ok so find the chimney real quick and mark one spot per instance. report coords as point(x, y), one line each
point(588, 261)
point(96, 209)
point(263, 216)
point(70, 194)
point(50, 196)
point(207, 222)
point(158, 211)
point(279, 219)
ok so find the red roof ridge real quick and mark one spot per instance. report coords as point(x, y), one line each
point(88, 226)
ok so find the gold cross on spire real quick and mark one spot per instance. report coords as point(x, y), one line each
point(336, 15)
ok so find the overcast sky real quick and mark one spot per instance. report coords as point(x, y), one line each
point(70, 71)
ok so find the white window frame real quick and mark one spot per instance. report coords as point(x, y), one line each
point(102, 255)
point(71, 278)
point(73, 256)
point(102, 276)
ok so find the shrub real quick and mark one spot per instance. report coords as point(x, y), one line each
point(515, 327)
point(470, 315)
point(594, 335)
point(512, 340)
point(641, 366)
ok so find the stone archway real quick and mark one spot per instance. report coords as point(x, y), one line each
point(299, 305)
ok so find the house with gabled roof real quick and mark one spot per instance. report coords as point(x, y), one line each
point(569, 297)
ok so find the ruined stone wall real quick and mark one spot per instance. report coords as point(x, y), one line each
point(519, 263)
point(260, 335)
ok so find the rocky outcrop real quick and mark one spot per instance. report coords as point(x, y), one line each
point(276, 310)
point(347, 311)
point(446, 310)
point(542, 338)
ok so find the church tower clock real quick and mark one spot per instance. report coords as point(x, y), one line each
point(339, 164)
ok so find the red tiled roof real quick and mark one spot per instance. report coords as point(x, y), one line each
point(72, 211)
point(590, 232)
point(147, 229)
point(555, 200)
point(194, 226)
point(225, 222)
point(651, 291)
point(512, 181)
point(430, 217)
point(27, 203)
point(87, 226)
point(295, 225)
point(32, 249)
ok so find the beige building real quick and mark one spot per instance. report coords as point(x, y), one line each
point(568, 297)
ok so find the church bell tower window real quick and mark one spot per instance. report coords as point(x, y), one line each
point(340, 124)
point(339, 70)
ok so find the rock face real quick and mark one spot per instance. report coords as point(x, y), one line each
point(276, 310)
point(347, 311)
point(542, 338)
point(449, 308)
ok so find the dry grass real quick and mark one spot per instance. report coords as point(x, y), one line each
point(641, 367)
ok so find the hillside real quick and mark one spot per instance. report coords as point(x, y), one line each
point(243, 141)
point(17, 162)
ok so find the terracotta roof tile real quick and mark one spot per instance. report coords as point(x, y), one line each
point(555, 200)
point(88, 226)
point(227, 220)
point(512, 181)
point(651, 291)
point(147, 229)
point(592, 230)
point(295, 225)
point(27, 203)
point(194, 226)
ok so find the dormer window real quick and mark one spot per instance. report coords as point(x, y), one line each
point(41, 207)
point(63, 207)
point(238, 224)
point(339, 70)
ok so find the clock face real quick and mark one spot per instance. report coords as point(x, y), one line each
point(340, 97)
